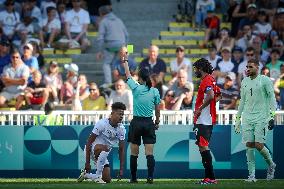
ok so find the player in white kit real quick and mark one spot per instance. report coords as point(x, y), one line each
point(105, 134)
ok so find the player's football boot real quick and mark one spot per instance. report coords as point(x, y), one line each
point(271, 171)
point(99, 180)
point(133, 181)
point(207, 181)
point(82, 175)
point(149, 181)
point(251, 178)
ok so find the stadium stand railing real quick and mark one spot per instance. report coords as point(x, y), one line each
point(176, 118)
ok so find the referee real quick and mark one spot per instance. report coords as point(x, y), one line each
point(145, 98)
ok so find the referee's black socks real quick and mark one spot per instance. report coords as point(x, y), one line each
point(207, 163)
point(150, 165)
point(133, 167)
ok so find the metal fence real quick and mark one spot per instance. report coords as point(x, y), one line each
point(22, 118)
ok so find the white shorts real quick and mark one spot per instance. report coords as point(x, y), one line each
point(8, 96)
point(92, 155)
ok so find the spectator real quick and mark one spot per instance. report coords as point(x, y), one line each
point(76, 24)
point(93, 9)
point(48, 119)
point(50, 28)
point(35, 14)
point(185, 99)
point(158, 83)
point(53, 80)
point(265, 71)
point(121, 94)
point(181, 63)
point(278, 44)
point(263, 27)
point(213, 58)
point(260, 54)
point(83, 86)
point(212, 24)
point(274, 65)
point(181, 85)
point(61, 10)
point(5, 57)
point(112, 35)
point(278, 22)
point(36, 93)
point(168, 101)
point(238, 56)
point(118, 68)
point(249, 54)
point(9, 19)
point(14, 77)
point(202, 6)
point(29, 59)
point(24, 31)
point(43, 6)
point(81, 93)
point(279, 88)
point(239, 13)
point(37, 53)
point(247, 37)
point(94, 101)
point(229, 93)
point(153, 63)
point(251, 16)
point(224, 66)
point(272, 38)
point(268, 6)
point(67, 89)
point(224, 40)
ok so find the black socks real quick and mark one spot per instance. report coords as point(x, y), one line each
point(207, 163)
point(133, 167)
point(150, 165)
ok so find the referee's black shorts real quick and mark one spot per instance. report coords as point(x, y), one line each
point(142, 127)
point(203, 134)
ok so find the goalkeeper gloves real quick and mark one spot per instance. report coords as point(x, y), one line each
point(237, 125)
point(271, 121)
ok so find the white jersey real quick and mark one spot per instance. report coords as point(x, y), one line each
point(106, 134)
point(77, 20)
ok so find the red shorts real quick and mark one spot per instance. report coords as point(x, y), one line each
point(36, 100)
point(203, 134)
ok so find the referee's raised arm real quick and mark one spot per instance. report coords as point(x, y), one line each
point(124, 61)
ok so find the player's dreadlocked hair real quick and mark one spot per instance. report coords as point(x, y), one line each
point(204, 65)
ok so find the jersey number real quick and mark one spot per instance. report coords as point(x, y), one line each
point(250, 91)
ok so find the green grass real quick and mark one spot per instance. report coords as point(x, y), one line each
point(158, 183)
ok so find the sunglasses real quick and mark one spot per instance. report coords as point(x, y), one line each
point(249, 66)
point(169, 95)
point(15, 57)
point(25, 47)
point(92, 90)
point(249, 54)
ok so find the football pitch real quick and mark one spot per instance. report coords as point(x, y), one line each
point(123, 184)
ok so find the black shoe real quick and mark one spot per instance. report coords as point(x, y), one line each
point(133, 181)
point(149, 181)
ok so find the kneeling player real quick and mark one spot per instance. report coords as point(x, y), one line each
point(105, 134)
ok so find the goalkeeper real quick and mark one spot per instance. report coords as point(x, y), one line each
point(257, 109)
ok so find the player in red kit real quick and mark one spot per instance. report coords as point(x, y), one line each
point(205, 115)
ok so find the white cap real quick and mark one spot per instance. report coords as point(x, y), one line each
point(30, 46)
point(72, 67)
point(231, 76)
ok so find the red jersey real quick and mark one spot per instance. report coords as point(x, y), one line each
point(208, 114)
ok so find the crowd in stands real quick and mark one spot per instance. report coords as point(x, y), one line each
point(256, 31)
